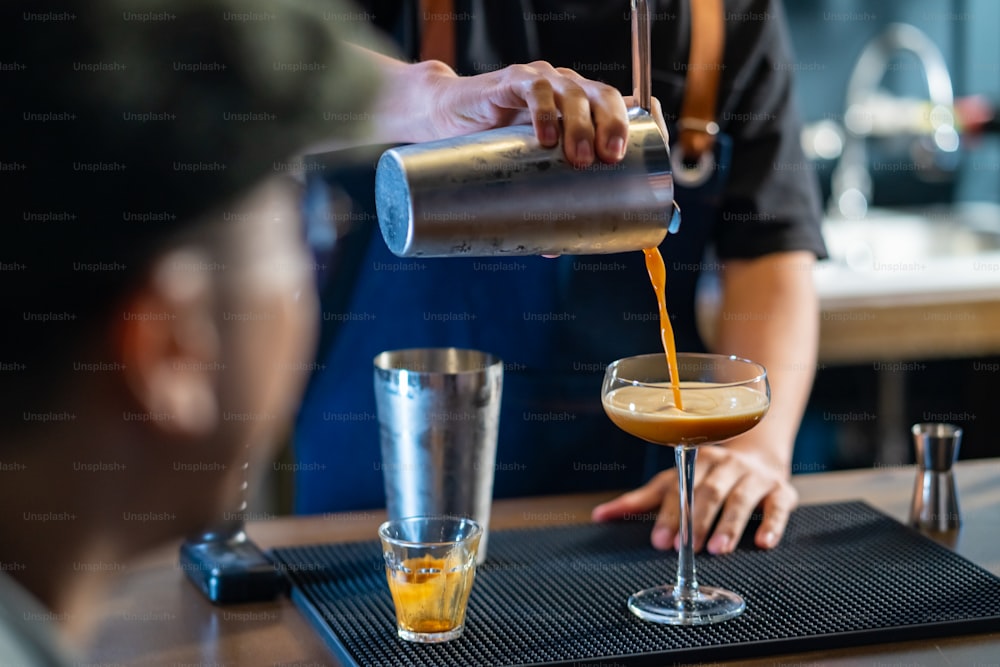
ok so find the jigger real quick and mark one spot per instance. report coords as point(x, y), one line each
point(500, 192)
point(934, 509)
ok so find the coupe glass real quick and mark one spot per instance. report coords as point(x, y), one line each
point(722, 397)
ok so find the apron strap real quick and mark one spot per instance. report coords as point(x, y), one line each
point(437, 31)
point(697, 119)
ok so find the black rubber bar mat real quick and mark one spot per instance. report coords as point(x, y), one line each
point(845, 574)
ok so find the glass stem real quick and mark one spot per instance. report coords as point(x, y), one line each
point(687, 582)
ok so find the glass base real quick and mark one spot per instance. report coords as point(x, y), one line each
point(710, 605)
point(430, 637)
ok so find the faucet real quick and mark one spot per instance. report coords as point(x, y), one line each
point(870, 112)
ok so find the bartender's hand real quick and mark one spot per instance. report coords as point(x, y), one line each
point(427, 100)
point(731, 482)
point(594, 120)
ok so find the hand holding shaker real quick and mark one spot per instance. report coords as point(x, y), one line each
point(934, 509)
point(499, 192)
point(439, 415)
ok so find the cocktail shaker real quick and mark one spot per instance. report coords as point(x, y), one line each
point(439, 417)
point(934, 509)
point(500, 192)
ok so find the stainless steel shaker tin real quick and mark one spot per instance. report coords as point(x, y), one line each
point(500, 192)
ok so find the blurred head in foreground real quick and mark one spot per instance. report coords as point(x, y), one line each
point(158, 305)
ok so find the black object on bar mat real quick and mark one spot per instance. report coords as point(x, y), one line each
point(845, 574)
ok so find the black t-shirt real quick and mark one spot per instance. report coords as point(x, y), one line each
point(770, 202)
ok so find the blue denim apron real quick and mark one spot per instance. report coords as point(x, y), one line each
point(556, 323)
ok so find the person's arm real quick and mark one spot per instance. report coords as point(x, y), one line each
point(770, 314)
point(427, 100)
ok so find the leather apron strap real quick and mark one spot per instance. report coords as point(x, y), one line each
point(437, 31)
point(697, 123)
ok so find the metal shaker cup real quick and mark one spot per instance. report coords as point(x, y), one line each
point(439, 414)
point(499, 192)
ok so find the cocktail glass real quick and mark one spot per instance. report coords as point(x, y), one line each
point(722, 397)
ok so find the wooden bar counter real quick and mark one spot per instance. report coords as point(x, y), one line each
point(156, 617)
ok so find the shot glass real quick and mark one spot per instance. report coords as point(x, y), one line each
point(430, 564)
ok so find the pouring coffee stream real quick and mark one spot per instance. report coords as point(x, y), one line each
point(658, 277)
point(642, 83)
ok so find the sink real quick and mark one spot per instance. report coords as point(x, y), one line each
point(901, 240)
point(894, 257)
point(902, 284)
